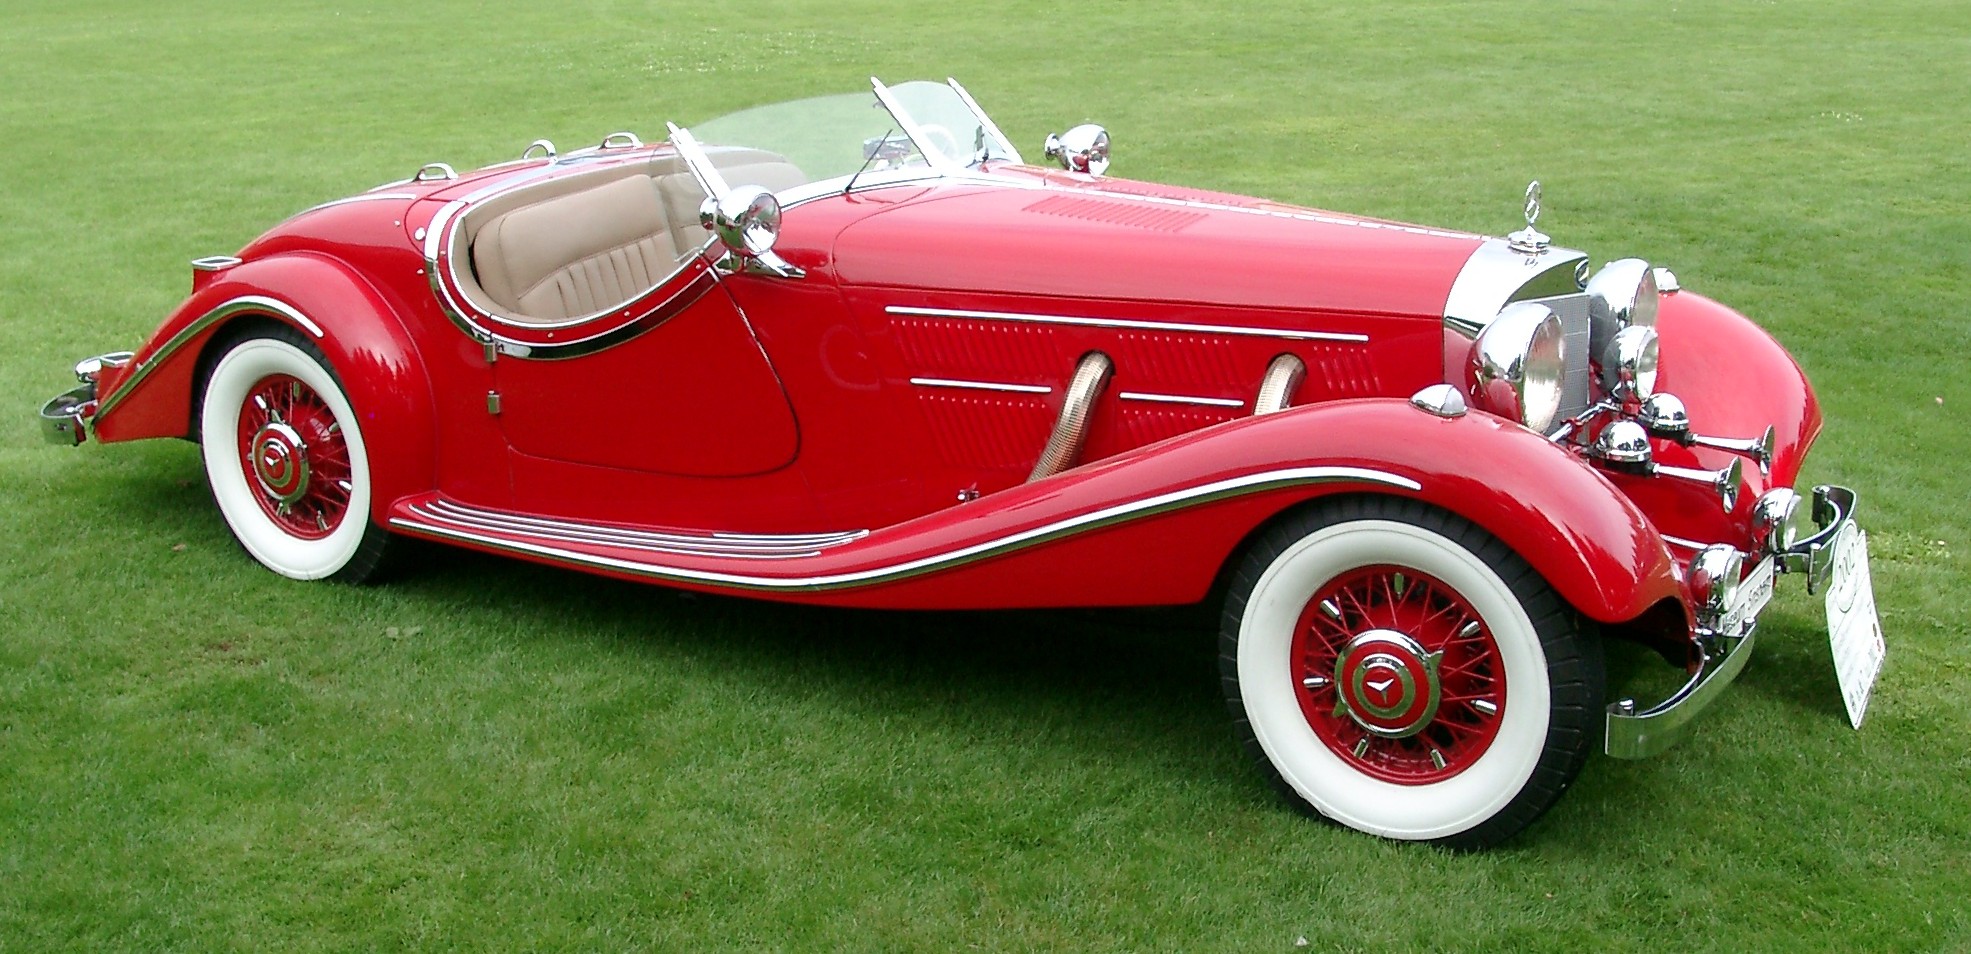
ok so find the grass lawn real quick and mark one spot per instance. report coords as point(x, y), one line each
point(196, 755)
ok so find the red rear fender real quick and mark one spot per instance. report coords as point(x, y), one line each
point(333, 307)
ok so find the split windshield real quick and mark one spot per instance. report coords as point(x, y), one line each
point(932, 129)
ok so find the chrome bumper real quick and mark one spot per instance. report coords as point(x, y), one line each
point(1633, 732)
point(65, 418)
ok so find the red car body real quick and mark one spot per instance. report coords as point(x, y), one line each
point(864, 434)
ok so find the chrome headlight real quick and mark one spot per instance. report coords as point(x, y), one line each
point(1628, 367)
point(1622, 295)
point(1517, 365)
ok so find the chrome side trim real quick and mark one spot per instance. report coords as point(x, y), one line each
point(1013, 542)
point(360, 197)
point(981, 385)
point(1682, 542)
point(246, 304)
point(570, 531)
point(1133, 324)
point(1179, 399)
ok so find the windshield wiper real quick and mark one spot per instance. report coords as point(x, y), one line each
point(872, 149)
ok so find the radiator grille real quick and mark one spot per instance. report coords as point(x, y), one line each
point(1575, 392)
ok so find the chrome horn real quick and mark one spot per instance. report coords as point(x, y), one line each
point(1624, 446)
point(1664, 416)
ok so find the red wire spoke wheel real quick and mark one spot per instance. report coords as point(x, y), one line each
point(285, 457)
point(1398, 670)
point(293, 446)
point(1398, 674)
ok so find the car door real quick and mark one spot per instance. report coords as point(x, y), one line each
point(685, 389)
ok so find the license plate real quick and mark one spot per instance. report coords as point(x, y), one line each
point(1754, 592)
point(1853, 630)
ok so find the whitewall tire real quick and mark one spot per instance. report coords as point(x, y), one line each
point(1400, 671)
point(285, 457)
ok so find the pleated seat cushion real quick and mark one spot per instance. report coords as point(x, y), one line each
point(579, 254)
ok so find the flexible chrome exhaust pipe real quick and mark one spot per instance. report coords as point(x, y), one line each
point(1071, 428)
point(1276, 388)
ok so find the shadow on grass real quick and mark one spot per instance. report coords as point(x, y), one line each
point(1142, 672)
point(1135, 684)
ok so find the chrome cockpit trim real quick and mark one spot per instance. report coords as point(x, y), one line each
point(246, 304)
point(1130, 323)
point(950, 559)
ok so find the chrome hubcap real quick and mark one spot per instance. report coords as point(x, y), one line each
point(1388, 683)
point(280, 463)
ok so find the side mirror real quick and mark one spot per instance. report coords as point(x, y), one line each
point(746, 220)
point(1084, 148)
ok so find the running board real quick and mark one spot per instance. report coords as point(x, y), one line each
point(439, 515)
point(807, 563)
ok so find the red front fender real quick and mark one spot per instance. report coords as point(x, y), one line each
point(332, 306)
point(1575, 527)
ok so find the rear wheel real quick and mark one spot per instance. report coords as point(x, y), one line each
point(1402, 672)
point(285, 457)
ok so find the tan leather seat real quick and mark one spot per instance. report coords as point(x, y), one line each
point(583, 245)
point(577, 254)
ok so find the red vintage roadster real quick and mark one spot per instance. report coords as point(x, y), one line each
point(853, 350)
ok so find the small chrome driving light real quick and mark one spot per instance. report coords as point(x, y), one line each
point(1517, 365)
point(1621, 295)
point(1778, 520)
point(1628, 367)
point(1665, 417)
point(1085, 148)
point(1623, 446)
point(746, 220)
point(1713, 577)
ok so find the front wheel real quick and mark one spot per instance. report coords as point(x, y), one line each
point(1400, 671)
point(285, 456)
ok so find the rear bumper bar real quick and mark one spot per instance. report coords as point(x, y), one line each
point(1634, 732)
point(66, 417)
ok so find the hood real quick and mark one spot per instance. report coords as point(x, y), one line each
point(1122, 240)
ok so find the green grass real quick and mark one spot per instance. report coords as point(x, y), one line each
point(197, 756)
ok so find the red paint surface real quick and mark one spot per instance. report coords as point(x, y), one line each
point(781, 407)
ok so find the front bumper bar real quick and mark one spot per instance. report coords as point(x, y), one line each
point(1634, 733)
